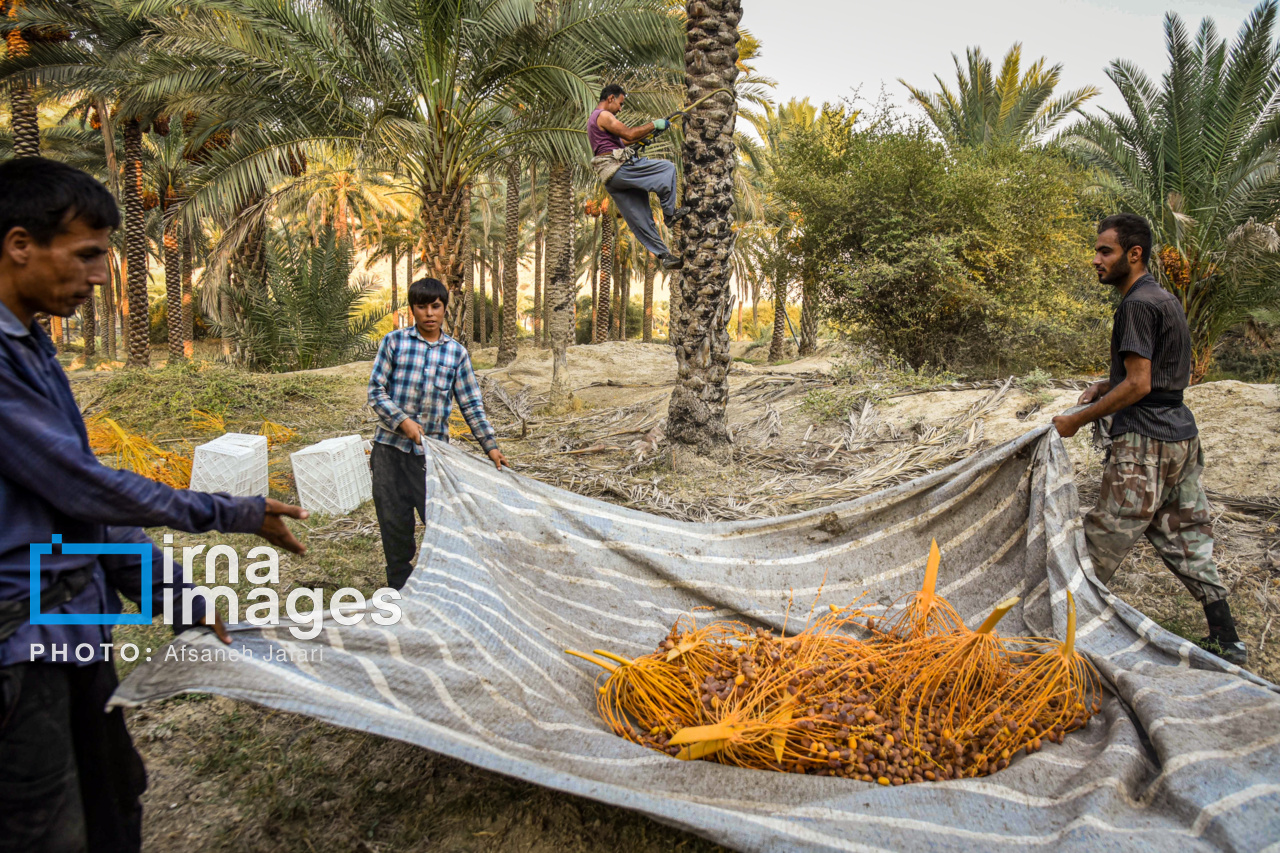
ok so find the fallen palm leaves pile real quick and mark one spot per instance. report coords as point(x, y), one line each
point(922, 699)
point(138, 453)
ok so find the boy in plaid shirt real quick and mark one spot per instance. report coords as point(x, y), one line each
point(416, 375)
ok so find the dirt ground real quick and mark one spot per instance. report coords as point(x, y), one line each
point(231, 776)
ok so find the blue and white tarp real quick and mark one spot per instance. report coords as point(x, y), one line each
point(1185, 754)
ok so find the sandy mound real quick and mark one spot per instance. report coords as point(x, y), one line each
point(1239, 423)
point(1240, 432)
point(1239, 427)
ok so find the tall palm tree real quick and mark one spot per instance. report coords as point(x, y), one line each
point(646, 327)
point(166, 175)
point(990, 110)
point(510, 266)
point(24, 120)
point(94, 55)
point(428, 87)
point(696, 415)
point(605, 285)
point(135, 235)
point(538, 236)
point(560, 289)
point(1197, 155)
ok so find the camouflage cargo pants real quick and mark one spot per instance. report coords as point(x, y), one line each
point(1153, 487)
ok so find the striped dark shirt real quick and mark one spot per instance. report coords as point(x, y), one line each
point(1150, 323)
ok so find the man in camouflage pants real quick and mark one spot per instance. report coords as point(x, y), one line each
point(1151, 484)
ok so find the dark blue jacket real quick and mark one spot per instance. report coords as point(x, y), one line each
point(51, 483)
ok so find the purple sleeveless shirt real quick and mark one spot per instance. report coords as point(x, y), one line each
point(602, 142)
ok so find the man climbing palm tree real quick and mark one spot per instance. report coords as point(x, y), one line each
point(630, 179)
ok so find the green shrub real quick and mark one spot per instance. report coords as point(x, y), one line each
point(977, 259)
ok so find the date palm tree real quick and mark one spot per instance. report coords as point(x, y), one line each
point(991, 110)
point(560, 293)
point(24, 120)
point(93, 54)
point(1197, 155)
point(696, 414)
point(425, 88)
point(510, 266)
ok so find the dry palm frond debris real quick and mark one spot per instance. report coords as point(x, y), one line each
point(137, 453)
point(932, 447)
point(277, 434)
point(203, 421)
point(921, 699)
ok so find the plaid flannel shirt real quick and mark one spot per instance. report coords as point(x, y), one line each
point(413, 378)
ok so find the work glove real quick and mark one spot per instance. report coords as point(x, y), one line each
point(661, 124)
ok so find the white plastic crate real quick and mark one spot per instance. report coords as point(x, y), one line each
point(234, 463)
point(333, 476)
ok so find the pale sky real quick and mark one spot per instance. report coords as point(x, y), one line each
point(824, 49)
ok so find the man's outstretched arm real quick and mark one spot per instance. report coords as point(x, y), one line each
point(609, 122)
point(467, 391)
point(46, 458)
point(1136, 385)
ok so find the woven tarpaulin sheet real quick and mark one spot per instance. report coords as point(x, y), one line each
point(1184, 755)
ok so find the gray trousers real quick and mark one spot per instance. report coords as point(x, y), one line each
point(630, 187)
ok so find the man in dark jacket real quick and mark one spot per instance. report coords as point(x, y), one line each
point(70, 778)
point(1151, 484)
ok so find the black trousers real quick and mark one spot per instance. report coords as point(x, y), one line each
point(70, 778)
point(399, 489)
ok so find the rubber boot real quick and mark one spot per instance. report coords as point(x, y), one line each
point(1223, 639)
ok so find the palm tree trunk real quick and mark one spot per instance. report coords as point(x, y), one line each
point(808, 312)
point(592, 270)
point(495, 332)
point(779, 340)
point(173, 290)
point(696, 414)
point(646, 329)
point(510, 268)
point(619, 270)
point(605, 285)
point(446, 216)
point(536, 212)
point(675, 288)
point(624, 295)
point(24, 121)
point(136, 245)
point(408, 282)
point(560, 284)
point(89, 328)
point(188, 297)
point(108, 315)
point(469, 282)
point(395, 286)
point(482, 315)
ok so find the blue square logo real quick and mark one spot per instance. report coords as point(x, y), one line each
point(143, 552)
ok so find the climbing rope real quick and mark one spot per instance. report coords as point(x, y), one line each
point(640, 144)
